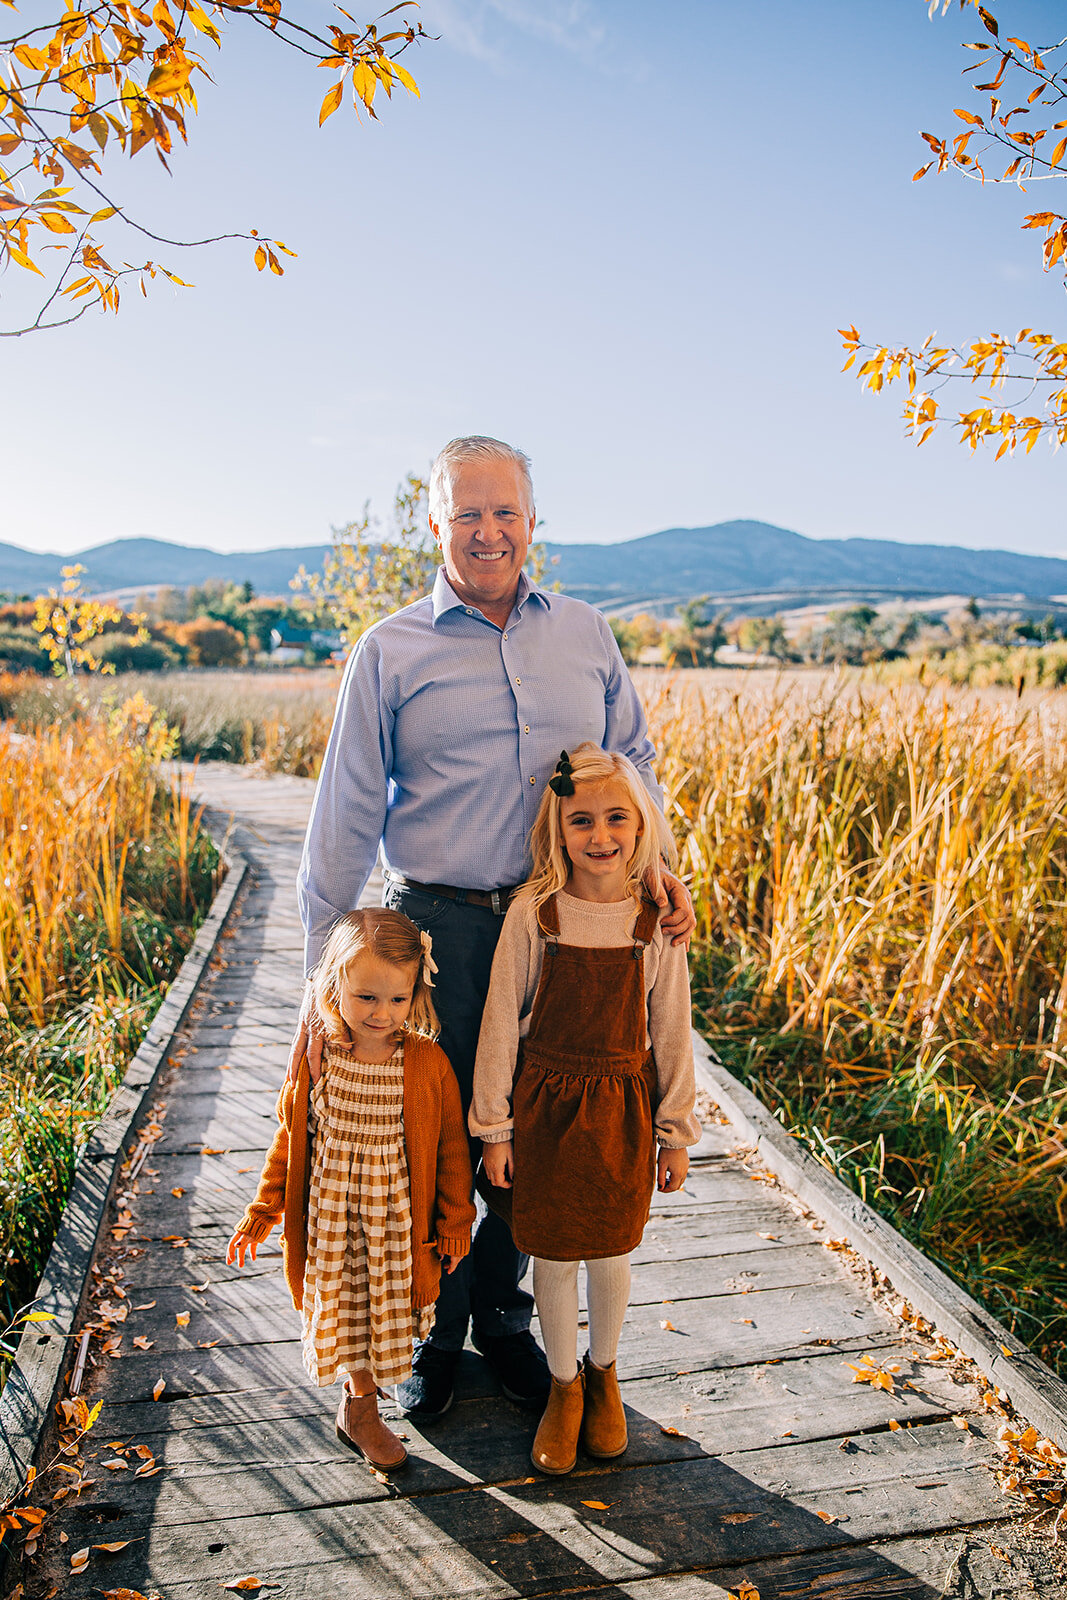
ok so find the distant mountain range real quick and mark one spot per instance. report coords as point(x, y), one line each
point(728, 559)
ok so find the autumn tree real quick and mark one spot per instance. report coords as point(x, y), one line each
point(106, 79)
point(1019, 135)
point(68, 620)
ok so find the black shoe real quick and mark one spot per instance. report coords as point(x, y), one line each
point(520, 1366)
point(429, 1391)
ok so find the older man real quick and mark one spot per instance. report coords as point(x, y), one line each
point(450, 719)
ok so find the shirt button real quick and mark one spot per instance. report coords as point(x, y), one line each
point(505, 636)
point(470, 611)
point(518, 680)
point(527, 728)
point(533, 780)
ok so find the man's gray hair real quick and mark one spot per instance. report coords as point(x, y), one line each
point(474, 447)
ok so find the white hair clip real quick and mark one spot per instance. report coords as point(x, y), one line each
point(428, 963)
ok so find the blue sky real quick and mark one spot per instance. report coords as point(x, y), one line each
point(620, 236)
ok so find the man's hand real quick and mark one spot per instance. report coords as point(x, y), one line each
point(237, 1247)
point(671, 1168)
point(673, 899)
point(309, 1038)
point(499, 1163)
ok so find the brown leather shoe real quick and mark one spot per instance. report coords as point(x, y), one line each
point(604, 1423)
point(555, 1446)
point(361, 1428)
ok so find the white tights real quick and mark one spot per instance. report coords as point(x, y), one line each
point(555, 1285)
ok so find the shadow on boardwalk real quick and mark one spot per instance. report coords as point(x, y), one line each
point(753, 1458)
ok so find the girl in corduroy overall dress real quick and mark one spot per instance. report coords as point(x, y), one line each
point(585, 1065)
point(369, 1173)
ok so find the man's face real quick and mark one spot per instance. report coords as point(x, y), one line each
point(485, 533)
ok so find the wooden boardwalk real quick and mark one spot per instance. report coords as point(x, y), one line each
point(754, 1457)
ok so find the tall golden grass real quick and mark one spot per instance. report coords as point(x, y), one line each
point(103, 875)
point(880, 879)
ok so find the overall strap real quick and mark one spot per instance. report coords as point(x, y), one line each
point(645, 926)
point(548, 923)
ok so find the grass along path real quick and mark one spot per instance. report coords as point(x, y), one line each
point(104, 877)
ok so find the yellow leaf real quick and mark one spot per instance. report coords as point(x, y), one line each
point(181, 1318)
point(405, 77)
point(329, 105)
point(260, 258)
point(364, 83)
point(39, 1316)
point(115, 1544)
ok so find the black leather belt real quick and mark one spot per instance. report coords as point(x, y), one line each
point(495, 900)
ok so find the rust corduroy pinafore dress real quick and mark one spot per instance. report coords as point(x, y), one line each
point(583, 1101)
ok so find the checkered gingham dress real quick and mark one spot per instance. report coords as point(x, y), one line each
point(357, 1283)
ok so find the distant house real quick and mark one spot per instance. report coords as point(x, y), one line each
point(294, 644)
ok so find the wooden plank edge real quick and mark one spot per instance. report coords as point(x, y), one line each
point(29, 1395)
point(1034, 1389)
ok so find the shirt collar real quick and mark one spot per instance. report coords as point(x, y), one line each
point(444, 597)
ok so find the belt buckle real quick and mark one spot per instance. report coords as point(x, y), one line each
point(494, 900)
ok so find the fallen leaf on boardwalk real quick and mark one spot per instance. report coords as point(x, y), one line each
point(116, 1544)
point(141, 1343)
point(773, 1236)
point(894, 1425)
point(110, 1347)
point(80, 1560)
point(149, 1470)
point(746, 1321)
point(744, 1591)
point(118, 1445)
point(961, 1422)
point(249, 1582)
point(123, 1594)
point(826, 1516)
point(181, 1319)
point(207, 1344)
point(788, 1434)
point(1006, 1351)
point(143, 1451)
point(146, 1307)
point(668, 1327)
point(116, 1464)
point(1027, 1440)
point(209, 1150)
point(198, 1288)
point(177, 1193)
point(835, 1244)
point(159, 1388)
point(596, 1505)
point(739, 1516)
point(675, 1433)
point(245, 1169)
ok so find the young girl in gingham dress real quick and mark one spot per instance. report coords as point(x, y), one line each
point(385, 1204)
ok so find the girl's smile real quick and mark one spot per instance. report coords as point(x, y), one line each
point(600, 826)
point(374, 998)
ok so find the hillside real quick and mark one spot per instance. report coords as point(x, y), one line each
point(729, 558)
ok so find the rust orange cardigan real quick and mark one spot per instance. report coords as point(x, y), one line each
point(439, 1172)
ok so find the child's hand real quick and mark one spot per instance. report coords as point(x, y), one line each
point(671, 1168)
point(237, 1247)
point(499, 1163)
point(449, 1263)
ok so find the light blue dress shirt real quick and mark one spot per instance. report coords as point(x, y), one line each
point(445, 732)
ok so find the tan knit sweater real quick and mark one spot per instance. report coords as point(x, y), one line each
point(439, 1172)
point(513, 985)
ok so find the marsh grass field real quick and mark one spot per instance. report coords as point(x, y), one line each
point(104, 877)
point(880, 877)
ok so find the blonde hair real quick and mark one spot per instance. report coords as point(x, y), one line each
point(391, 937)
point(551, 864)
point(473, 447)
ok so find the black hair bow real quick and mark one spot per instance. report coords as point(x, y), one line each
point(562, 783)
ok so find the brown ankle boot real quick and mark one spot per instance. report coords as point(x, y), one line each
point(555, 1446)
point(361, 1428)
point(604, 1424)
